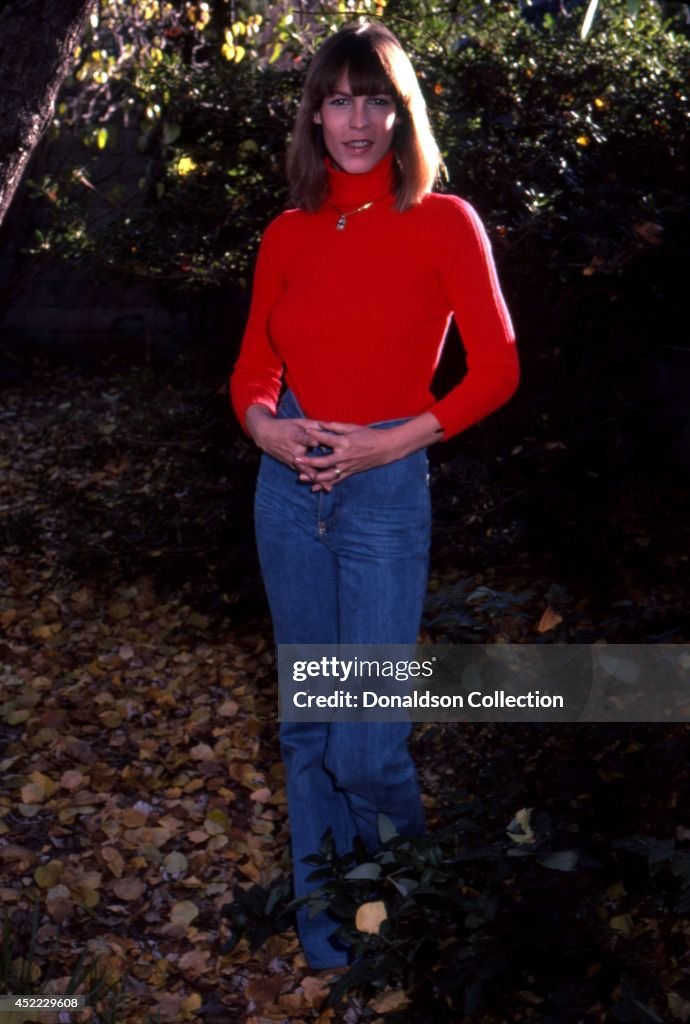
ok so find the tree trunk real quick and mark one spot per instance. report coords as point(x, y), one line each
point(37, 41)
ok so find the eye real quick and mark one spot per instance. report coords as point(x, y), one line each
point(338, 101)
point(380, 101)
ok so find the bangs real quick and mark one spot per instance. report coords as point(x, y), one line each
point(363, 67)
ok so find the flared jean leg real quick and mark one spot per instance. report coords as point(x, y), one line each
point(301, 579)
point(345, 567)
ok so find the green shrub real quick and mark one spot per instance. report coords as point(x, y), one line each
point(572, 150)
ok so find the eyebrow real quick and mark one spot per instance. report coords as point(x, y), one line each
point(350, 95)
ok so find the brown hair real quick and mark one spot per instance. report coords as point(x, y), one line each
point(375, 63)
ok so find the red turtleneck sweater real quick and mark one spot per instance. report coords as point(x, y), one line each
point(356, 319)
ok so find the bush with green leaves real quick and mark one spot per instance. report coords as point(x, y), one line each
point(574, 151)
point(457, 923)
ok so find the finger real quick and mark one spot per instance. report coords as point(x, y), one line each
point(318, 436)
point(306, 472)
point(338, 428)
point(318, 462)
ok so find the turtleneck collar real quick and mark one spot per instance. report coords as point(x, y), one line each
point(349, 190)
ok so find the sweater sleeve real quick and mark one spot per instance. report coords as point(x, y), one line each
point(258, 372)
point(471, 285)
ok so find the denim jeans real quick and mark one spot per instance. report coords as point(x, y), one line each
point(348, 567)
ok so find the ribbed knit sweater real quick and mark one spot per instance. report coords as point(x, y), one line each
point(356, 319)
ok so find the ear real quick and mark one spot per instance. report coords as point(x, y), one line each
point(317, 117)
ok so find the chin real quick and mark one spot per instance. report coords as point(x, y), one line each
point(359, 165)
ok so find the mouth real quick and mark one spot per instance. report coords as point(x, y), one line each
point(358, 145)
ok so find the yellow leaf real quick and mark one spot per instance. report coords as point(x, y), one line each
point(192, 1002)
point(18, 716)
point(47, 784)
point(217, 822)
point(370, 917)
point(583, 140)
point(622, 923)
point(185, 165)
point(46, 875)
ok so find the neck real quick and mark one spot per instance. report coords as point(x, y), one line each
point(346, 191)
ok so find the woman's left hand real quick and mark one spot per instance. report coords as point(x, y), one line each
point(354, 449)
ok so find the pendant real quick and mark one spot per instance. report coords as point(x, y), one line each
point(342, 221)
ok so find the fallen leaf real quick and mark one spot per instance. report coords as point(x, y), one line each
point(549, 620)
point(71, 779)
point(114, 860)
point(128, 888)
point(387, 1002)
point(184, 912)
point(370, 917)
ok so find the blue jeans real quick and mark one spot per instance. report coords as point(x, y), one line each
point(348, 567)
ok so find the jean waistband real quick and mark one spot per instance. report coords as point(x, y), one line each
point(289, 408)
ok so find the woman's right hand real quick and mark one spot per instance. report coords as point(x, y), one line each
point(284, 439)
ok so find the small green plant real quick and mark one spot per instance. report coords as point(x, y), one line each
point(23, 971)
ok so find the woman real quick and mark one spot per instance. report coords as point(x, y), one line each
point(353, 293)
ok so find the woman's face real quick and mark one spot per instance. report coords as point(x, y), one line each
point(357, 130)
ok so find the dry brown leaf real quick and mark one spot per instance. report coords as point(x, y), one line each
point(549, 620)
point(202, 752)
point(679, 1007)
point(315, 990)
point(128, 888)
point(194, 963)
point(183, 912)
point(264, 991)
point(175, 863)
point(197, 836)
point(72, 779)
point(133, 817)
point(114, 860)
point(386, 1002)
point(33, 793)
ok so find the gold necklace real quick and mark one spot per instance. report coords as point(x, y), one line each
point(341, 223)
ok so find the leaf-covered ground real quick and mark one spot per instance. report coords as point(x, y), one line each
point(141, 780)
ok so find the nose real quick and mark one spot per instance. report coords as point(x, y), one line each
point(359, 112)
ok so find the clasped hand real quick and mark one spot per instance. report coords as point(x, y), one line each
point(354, 448)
